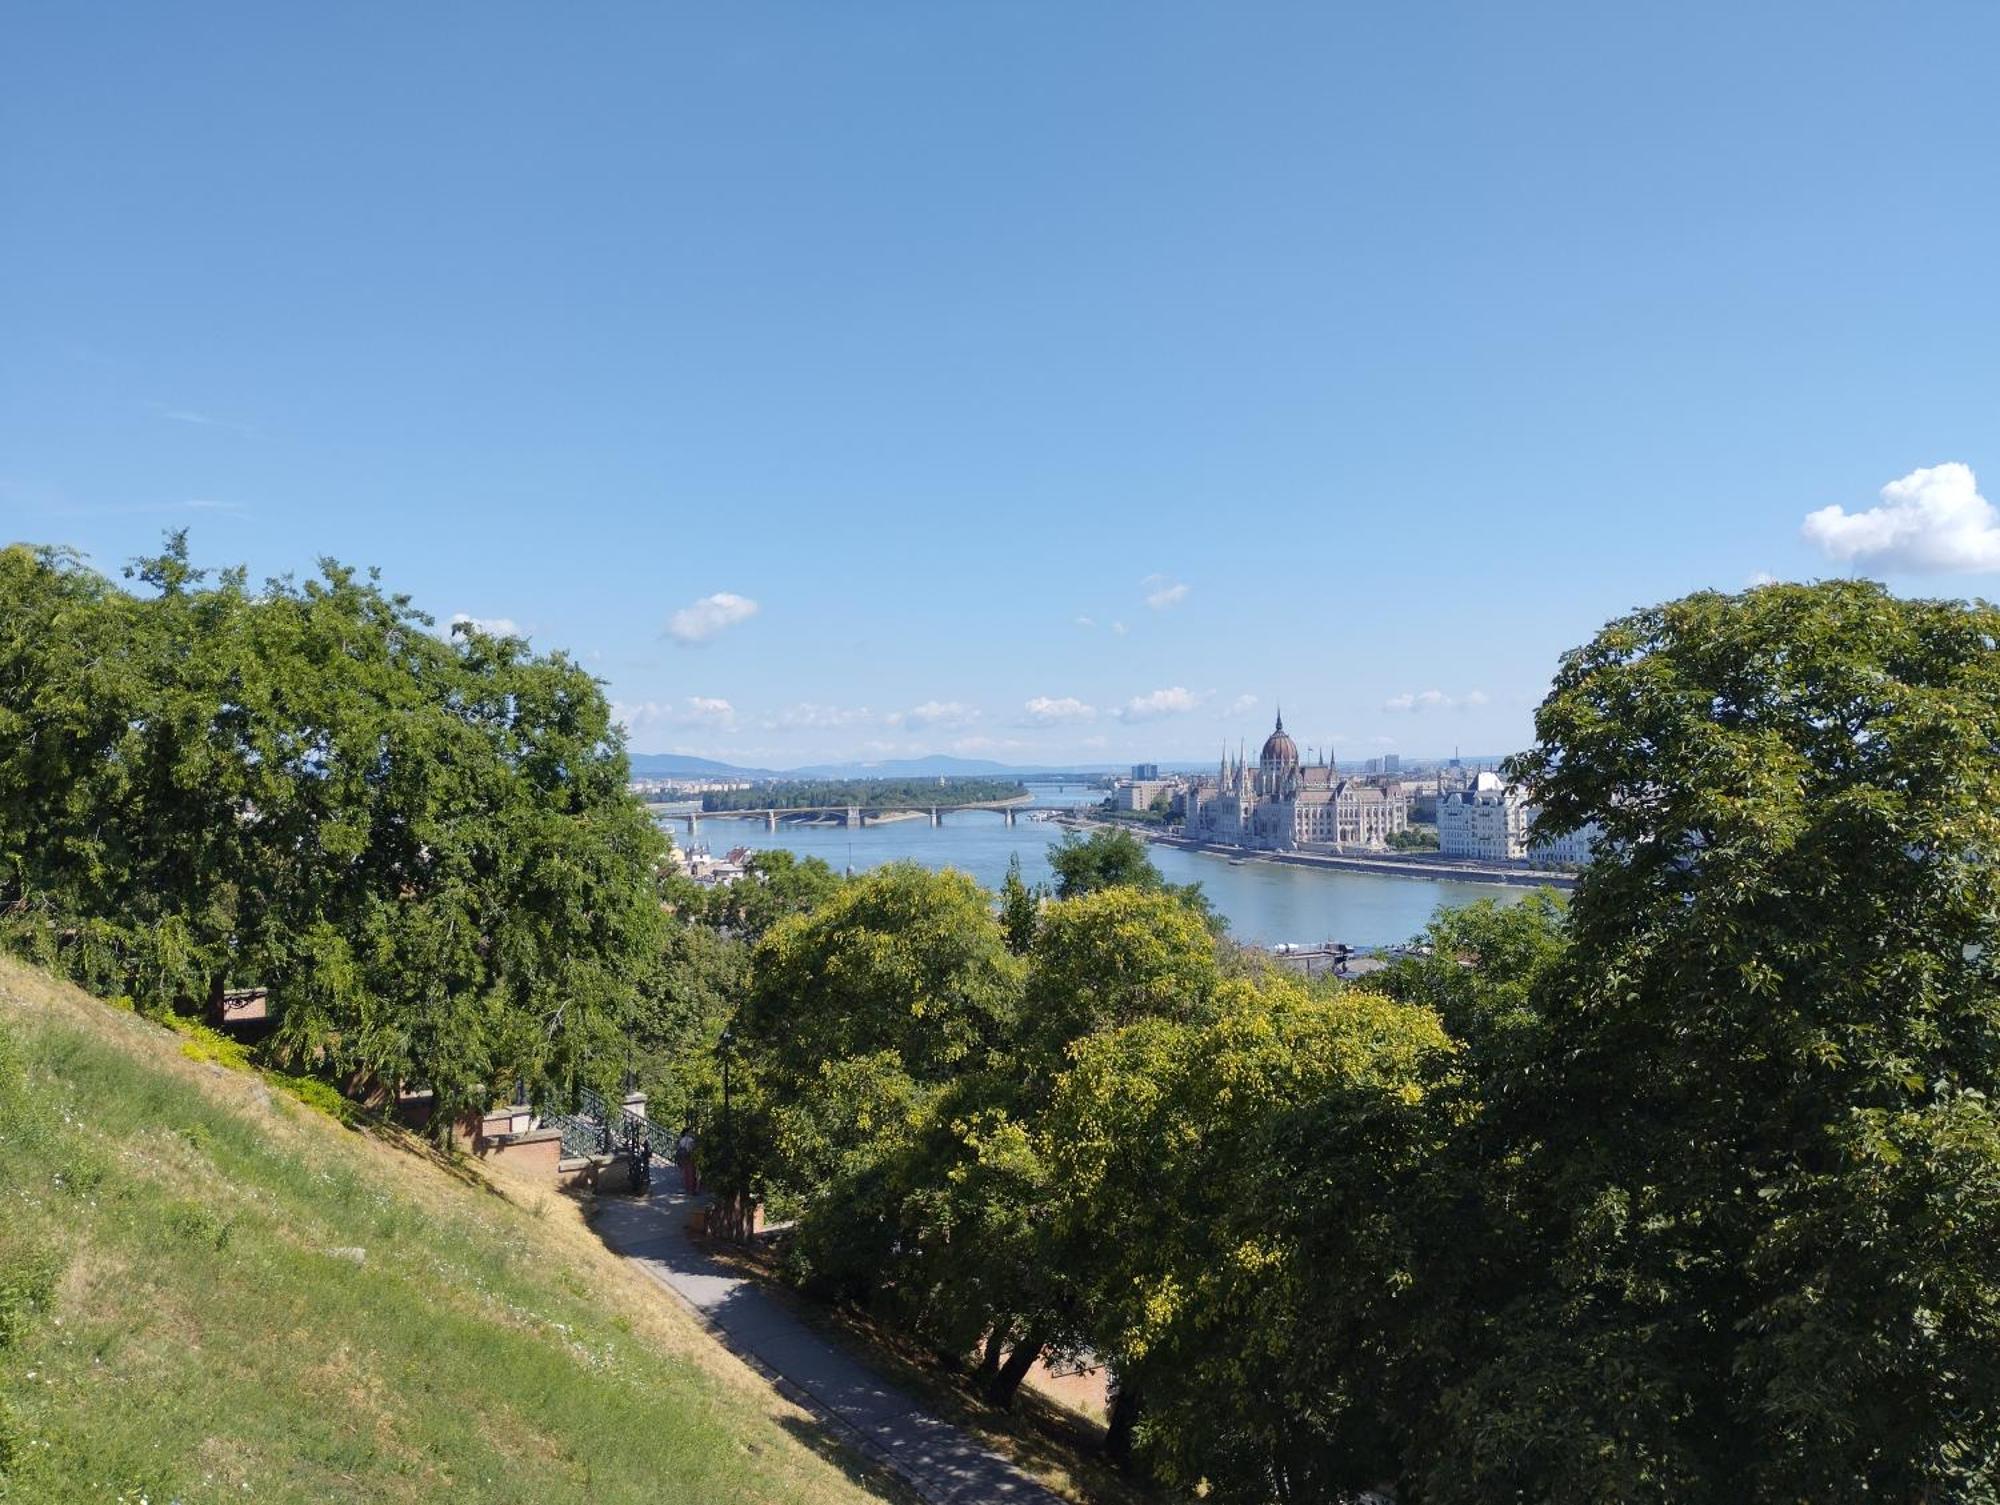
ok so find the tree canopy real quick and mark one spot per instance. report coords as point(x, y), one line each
point(423, 847)
point(1687, 1189)
point(1110, 857)
point(1761, 1142)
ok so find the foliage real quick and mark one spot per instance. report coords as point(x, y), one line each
point(1020, 907)
point(774, 884)
point(1761, 1146)
point(1686, 1189)
point(686, 1001)
point(897, 985)
point(1414, 839)
point(1104, 859)
point(1238, 1213)
point(201, 1043)
point(864, 794)
point(1113, 858)
point(422, 847)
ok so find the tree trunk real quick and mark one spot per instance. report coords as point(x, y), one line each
point(1001, 1390)
point(1124, 1417)
point(989, 1359)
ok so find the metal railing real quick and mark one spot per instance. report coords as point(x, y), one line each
point(597, 1127)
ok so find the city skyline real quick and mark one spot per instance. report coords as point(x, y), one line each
point(877, 383)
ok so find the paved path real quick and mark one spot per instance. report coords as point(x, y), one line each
point(943, 1464)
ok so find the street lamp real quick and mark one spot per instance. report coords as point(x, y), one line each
point(726, 1045)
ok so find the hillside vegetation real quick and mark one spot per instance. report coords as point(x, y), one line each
point(211, 1291)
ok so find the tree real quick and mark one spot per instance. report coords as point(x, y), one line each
point(1760, 1136)
point(1106, 960)
point(1020, 907)
point(980, 1197)
point(1112, 858)
point(903, 968)
point(685, 1002)
point(423, 848)
point(1104, 859)
point(774, 884)
point(1237, 1219)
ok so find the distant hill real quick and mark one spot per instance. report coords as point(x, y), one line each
point(681, 766)
point(907, 768)
point(937, 765)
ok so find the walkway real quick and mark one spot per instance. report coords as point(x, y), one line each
point(943, 1464)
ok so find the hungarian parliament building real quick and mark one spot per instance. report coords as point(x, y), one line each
point(1283, 805)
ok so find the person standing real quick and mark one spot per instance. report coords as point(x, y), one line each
point(684, 1158)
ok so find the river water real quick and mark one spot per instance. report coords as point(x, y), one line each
point(1264, 902)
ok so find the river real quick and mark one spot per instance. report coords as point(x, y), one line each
point(1264, 902)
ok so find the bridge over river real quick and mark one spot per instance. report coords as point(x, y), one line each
point(1010, 810)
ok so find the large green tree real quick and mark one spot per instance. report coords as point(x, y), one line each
point(423, 847)
point(1113, 858)
point(858, 1013)
point(1761, 1140)
point(1235, 1215)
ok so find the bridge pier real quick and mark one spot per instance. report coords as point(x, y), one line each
point(770, 820)
point(936, 818)
point(693, 821)
point(1010, 815)
point(853, 815)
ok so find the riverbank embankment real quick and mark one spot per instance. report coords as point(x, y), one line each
point(1380, 864)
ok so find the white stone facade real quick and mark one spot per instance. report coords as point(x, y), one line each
point(1491, 820)
point(1487, 820)
point(1571, 849)
point(1283, 805)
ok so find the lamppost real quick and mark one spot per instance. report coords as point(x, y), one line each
point(727, 1045)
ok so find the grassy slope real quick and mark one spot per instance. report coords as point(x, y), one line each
point(173, 1324)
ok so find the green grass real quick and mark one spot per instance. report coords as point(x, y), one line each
point(183, 1315)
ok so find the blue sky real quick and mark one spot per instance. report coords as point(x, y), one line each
point(1023, 381)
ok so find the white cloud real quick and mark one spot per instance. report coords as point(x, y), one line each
point(1175, 701)
point(966, 746)
point(1083, 620)
point(1434, 700)
point(808, 716)
point(708, 616)
point(1932, 520)
point(935, 713)
point(1048, 710)
point(498, 627)
point(1163, 592)
point(1761, 577)
point(1118, 629)
point(711, 710)
point(707, 711)
point(200, 420)
point(1241, 704)
point(210, 504)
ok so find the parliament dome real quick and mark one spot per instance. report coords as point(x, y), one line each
point(1280, 751)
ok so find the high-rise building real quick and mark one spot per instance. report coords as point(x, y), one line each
point(1145, 770)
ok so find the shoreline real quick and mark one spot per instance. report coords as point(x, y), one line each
point(1385, 865)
